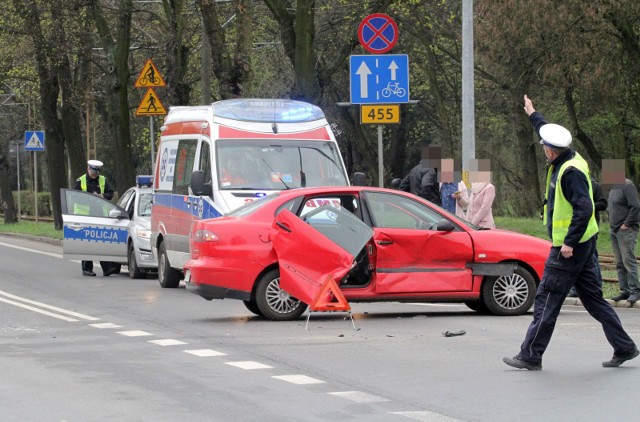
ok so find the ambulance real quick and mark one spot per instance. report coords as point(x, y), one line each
point(215, 158)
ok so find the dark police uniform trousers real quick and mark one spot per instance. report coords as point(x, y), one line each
point(560, 274)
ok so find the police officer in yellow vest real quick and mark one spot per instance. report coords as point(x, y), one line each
point(569, 216)
point(92, 182)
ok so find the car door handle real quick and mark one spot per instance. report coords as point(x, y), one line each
point(384, 242)
point(283, 227)
point(76, 226)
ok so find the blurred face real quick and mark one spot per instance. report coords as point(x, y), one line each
point(93, 172)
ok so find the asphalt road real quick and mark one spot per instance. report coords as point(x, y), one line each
point(79, 348)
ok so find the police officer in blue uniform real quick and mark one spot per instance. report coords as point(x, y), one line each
point(93, 182)
point(569, 215)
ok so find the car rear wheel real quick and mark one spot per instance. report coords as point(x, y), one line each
point(168, 277)
point(274, 303)
point(252, 305)
point(134, 270)
point(509, 295)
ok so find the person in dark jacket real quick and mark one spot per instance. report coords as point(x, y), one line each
point(572, 258)
point(96, 184)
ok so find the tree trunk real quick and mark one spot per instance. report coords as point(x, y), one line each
point(6, 193)
point(178, 89)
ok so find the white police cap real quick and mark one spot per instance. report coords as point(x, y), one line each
point(95, 164)
point(555, 136)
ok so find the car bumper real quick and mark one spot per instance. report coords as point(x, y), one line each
point(222, 277)
point(214, 292)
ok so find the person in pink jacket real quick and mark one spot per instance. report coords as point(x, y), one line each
point(480, 200)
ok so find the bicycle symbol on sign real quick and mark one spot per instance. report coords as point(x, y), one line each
point(150, 77)
point(393, 89)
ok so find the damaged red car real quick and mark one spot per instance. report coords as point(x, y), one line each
point(377, 244)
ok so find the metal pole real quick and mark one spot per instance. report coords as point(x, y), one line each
point(380, 160)
point(152, 143)
point(35, 183)
point(468, 101)
point(18, 167)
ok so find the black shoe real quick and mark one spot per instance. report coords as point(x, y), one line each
point(517, 362)
point(621, 296)
point(88, 273)
point(633, 298)
point(618, 360)
point(109, 271)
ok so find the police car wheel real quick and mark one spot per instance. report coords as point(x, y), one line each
point(169, 278)
point(509, 295)
point(134, 270)
point(274, 303)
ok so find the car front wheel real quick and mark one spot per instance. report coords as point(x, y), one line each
point(273, 302)
point(134, 270)
point(509, 295)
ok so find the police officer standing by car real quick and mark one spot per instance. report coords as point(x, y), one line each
point(96, 184)
point(572, 260)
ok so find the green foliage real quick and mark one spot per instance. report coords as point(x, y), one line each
point(27, 204)
point(32, 228)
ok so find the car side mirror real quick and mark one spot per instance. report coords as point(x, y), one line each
point(119, 214)
point(445, 226)
point(197, 182)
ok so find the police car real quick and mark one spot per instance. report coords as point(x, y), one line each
point(118, 233)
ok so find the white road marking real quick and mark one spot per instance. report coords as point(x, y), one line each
point(167, 342)
point(40, 311)
point(134, 333)
point(55, 255)
point(358, 396)
point(298, 379)
point(50, 307)
point(249, 364)
point(205, 353)
point(105, 325)
point(426, 416)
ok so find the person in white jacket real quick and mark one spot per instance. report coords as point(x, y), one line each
point(479, 203)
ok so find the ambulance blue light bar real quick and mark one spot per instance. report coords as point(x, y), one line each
point(267, 110)
point(144, 181)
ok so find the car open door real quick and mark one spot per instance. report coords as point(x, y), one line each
point(93, 228)
point(320, 247)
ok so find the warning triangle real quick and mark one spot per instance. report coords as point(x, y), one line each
point(150, 105)
point(149, 76)
point(330, 298)
point(34, 142)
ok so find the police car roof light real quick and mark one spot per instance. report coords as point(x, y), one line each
point(266, 110)
point(144, 181)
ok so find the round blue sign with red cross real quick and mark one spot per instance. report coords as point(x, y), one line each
point(378, 33)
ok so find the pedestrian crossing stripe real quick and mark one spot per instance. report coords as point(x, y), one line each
point(150, 105)
point(34, 140)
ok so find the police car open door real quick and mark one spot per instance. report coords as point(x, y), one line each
point(94, 228)
point(319, 246)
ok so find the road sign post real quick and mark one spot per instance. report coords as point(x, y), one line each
point(34, 141)
point(150, 105)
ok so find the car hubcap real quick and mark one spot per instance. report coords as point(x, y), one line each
point(511, 292)
point(279, 300)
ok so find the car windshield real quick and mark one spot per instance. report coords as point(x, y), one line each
point(144, 205)
point(341, 227)
point(265, 164)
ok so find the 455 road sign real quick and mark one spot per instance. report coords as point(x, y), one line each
point(379, 79)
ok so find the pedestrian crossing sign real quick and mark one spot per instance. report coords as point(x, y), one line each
point(34, 140)
point(150, 105)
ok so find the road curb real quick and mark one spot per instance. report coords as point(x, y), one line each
point(616, 304)
point(43, 239)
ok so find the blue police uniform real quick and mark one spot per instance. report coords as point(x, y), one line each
point(560, 274)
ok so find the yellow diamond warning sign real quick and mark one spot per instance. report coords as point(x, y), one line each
point(149, 76)
point(150, 105)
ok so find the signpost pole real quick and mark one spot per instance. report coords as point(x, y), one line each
point(380, 160)
point(35, 184)
point(18, 169)
point(152, 143)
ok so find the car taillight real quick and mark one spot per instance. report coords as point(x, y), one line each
point(205, 236)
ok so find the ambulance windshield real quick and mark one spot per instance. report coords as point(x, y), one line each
point(256, 164)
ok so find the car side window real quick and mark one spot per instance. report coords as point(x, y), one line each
point(185, 158)
point(396, 211)
point(122, 203)
point(82, 203)
point(343, 202)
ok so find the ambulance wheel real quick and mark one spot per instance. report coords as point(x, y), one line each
point(273, 302)
point(168, 277)
point(252, 305)
point(511, 294)
point(134, 270)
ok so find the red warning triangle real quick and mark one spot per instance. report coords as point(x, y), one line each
point(330, 298)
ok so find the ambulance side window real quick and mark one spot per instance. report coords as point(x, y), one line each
point(185, 158)
point(205, 162)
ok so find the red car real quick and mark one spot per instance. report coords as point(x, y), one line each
point(378, 244)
